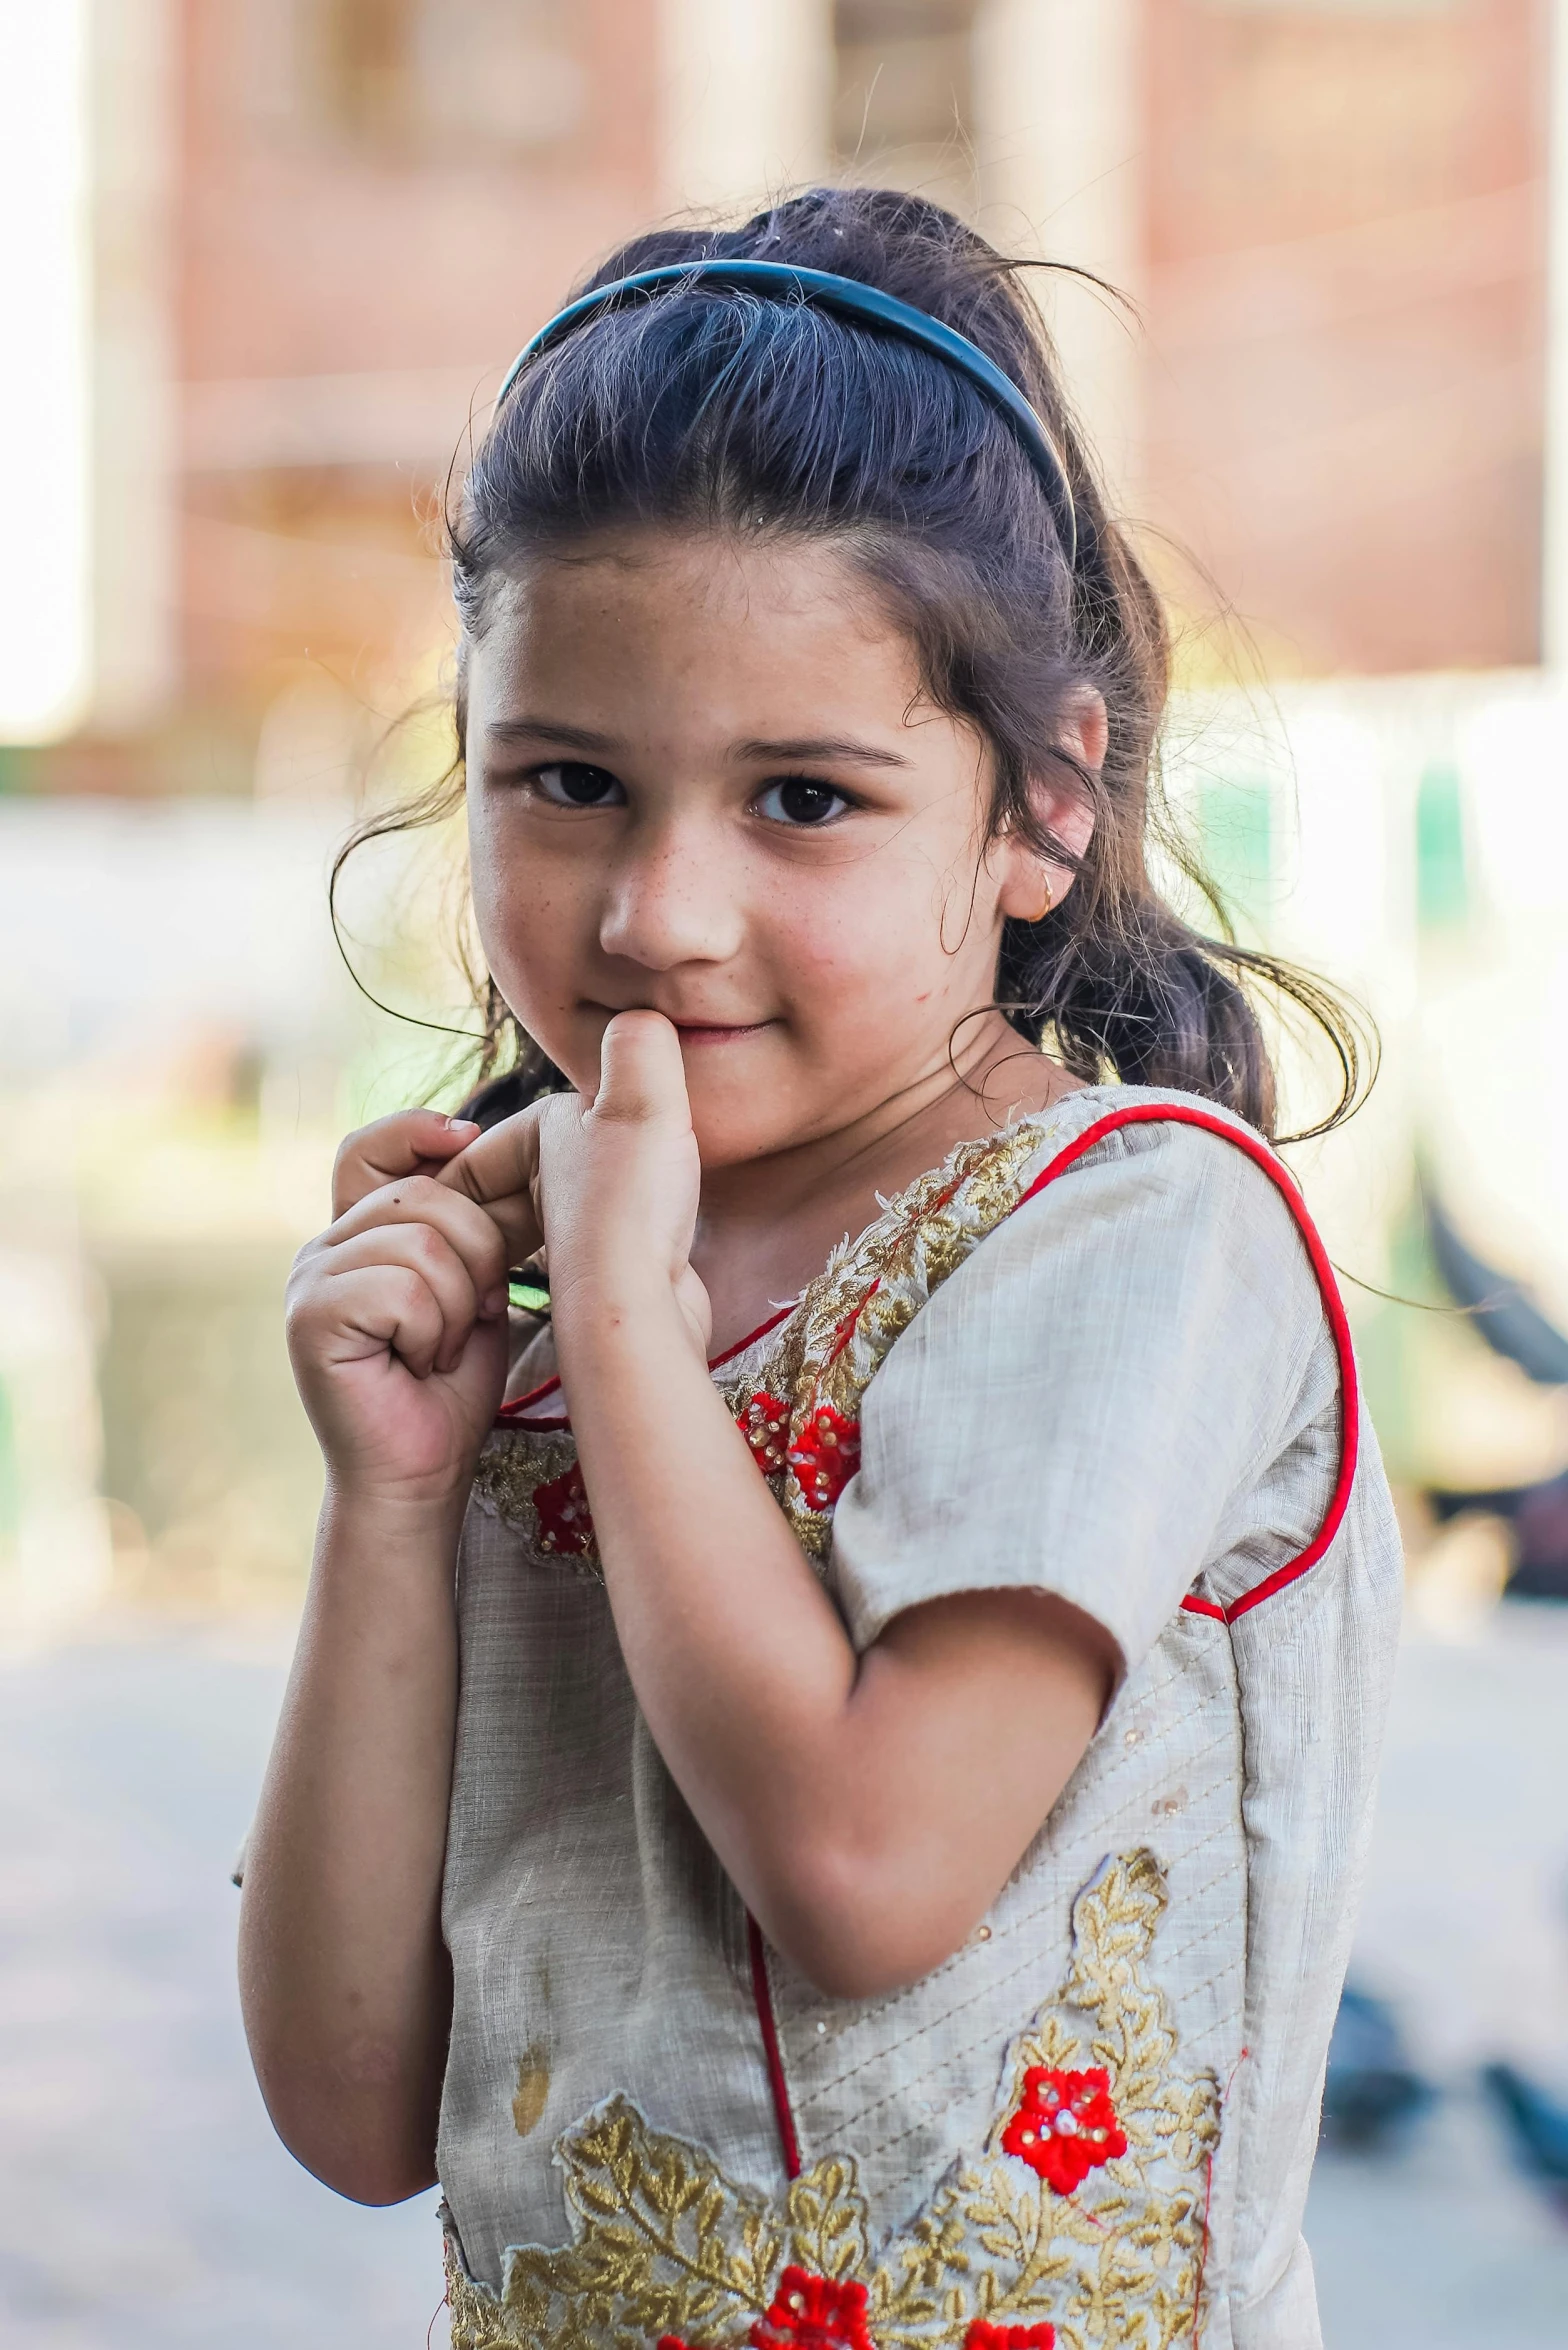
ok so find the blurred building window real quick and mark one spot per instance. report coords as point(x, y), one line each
point(903, 104)
point(1442, 882)
point(433, 76)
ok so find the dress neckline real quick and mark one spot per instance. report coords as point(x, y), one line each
point(911, 1204)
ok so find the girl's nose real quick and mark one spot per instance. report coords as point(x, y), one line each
point(668, 902)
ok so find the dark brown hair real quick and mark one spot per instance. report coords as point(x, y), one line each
point(707, 406)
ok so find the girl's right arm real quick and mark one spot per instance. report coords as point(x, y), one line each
point(397, 1331)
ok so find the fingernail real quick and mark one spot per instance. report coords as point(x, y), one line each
point(463, 1125)
point(495, 1303)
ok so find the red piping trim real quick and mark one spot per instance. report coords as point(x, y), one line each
point(717, 1362)
point(789, 2144)
point(520, 1403)
point(1148, 1114)
point(510, 1413)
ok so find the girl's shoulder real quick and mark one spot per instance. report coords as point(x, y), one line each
point(1108, 1181)
point(1122, 1365)
point(1167, 1153)
point(1137, 1207)
point(1091, 1168)
point(1126, 1232)
point(1160, 1125)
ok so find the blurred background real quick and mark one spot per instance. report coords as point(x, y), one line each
point(262, 265)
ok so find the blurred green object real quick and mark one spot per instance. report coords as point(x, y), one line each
point(1442, 879)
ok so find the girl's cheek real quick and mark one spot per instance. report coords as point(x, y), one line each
point(843, 932)
point(530, 918)
point(874, 945)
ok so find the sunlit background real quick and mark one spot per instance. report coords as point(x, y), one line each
point(261, 263)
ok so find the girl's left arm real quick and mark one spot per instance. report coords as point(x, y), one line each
point(868, 1808)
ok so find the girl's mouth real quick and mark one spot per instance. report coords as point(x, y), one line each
point(712, 1032)
point(693, 1032)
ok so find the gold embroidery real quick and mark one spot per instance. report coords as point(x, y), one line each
point(835, 1341)
point(514, 1464)
point(872, 1288)
point(664, 2243)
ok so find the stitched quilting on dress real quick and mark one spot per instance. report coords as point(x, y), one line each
point(1081, 2218)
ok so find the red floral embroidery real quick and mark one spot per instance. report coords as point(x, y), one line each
point(982, 2335)
point(765, 1425)
point(825, 1455)
point(565, 1522)
point(1065, 2126)
point(814, 2313)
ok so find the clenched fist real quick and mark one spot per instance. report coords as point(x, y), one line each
point(397, 1316)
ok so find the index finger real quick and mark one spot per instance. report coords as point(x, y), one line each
point(498, 1170)
point(410, 1142)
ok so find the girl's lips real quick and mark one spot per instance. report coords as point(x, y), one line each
point(706, 1032)
point(696, 1031)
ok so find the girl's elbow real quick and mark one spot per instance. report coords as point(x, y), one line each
point(371, 2179)
point(365, 2159)
point(854, 1934)
point(372, 2149)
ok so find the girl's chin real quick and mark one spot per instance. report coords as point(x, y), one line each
point(736, 1122)
point(721, 1142)
point(726, 1137)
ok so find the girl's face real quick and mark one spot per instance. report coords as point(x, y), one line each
point(702, 778)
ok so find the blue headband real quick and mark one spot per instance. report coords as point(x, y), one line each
point(864, 304)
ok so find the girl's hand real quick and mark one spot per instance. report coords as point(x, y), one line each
point(397, 1317)
point(610, 1185)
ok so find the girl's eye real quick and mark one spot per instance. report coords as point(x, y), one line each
point(566, 784)
point(797, 800)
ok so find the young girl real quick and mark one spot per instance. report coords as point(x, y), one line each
point(825, 1779)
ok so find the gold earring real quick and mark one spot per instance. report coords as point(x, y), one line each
point(1049, 903)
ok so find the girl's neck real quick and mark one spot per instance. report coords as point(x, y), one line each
point(767, 1227)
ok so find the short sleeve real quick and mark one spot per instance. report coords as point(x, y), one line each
point(1086, 1405)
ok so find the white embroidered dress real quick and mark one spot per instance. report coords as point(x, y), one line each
point(1100, 1355)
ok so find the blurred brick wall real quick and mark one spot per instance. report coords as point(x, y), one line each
point(1345, 303)
point(378, 200)
point(1334, 229)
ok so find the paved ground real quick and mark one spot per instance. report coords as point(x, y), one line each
point(144, 2204)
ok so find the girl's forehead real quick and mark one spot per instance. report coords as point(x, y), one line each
point(691, 580)
point(671, 611)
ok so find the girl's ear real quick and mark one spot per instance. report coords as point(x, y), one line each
point(1030, 885)
point(1084, 729)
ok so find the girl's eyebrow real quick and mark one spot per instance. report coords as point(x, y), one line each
point(550, 730)
point(825, 746)
point(800, 748)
